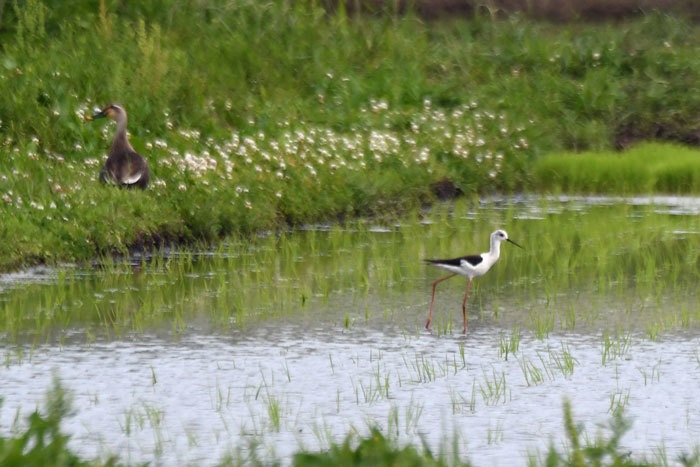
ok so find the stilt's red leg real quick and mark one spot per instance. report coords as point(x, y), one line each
point(432, 300)
point(464, 305)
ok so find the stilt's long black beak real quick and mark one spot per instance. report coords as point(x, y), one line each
point(511, 241)
point(100, 114)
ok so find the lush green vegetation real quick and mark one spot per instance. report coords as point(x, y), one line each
point(247, 124)
point(648, 168)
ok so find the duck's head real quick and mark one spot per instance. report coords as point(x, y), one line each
point(113, 111)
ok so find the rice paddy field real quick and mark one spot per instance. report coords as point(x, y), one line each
point(291, 341)
point(264, 301)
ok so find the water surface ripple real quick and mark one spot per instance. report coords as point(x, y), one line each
point(195, 399)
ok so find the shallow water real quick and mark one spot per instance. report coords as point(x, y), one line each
point(213, 392)
point(297, 343)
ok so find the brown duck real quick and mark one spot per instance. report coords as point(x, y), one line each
point(124, 166)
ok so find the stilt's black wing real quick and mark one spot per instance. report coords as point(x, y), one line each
point(457, 262)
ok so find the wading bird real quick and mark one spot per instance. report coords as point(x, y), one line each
point(124, 166)
point(470, 266)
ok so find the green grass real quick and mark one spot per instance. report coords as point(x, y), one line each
point(248, 124)
point(647, 168)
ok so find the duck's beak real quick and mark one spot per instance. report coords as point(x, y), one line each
point(511, 241)
point(100, 114)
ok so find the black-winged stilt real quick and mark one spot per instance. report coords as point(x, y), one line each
point(470, 266)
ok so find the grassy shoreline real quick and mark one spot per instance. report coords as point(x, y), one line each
point(248, 125)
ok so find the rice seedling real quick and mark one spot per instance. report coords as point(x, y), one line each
point(496, 434)
point(564, 361)
point(221, 398)
point(375, 389)
point(542, 322)
point(493, 388)
point(382, 382)
point(612, 349)
point(605, 445)
point(652, 375)
point(462, 357)
point(653, 330)
point(252, 282)
point(273, 411)
point(133, 418)
point(412, 415)
point(192, 440)
point(459, 402)
point(392, 423)
point(287, 372)
point(618, 401)
point(424, 370)
point(155, 416)
point(509, 344)
point(532, 373)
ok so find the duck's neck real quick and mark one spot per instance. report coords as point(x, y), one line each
point(121, 141)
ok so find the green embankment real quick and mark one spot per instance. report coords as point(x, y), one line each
point(249, 124)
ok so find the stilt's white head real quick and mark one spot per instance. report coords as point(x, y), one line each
point(501, 236)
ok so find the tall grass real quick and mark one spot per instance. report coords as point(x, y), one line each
point(580, 83)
